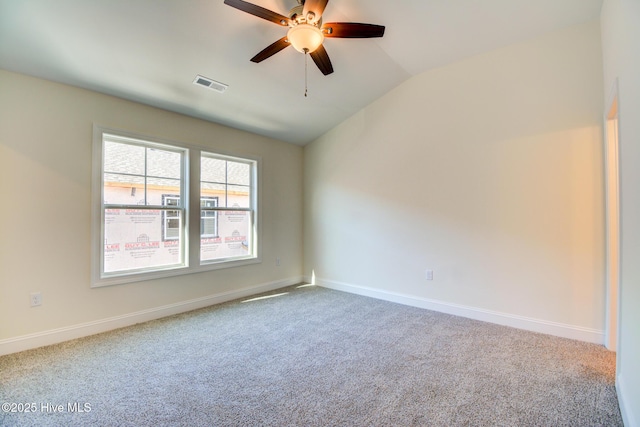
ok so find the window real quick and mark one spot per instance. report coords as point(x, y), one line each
point(145, 223)
point(134, 176)
point(228, 182)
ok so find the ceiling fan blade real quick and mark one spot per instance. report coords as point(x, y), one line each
point(258, 11)
point(316, 7)
point(352, 30)
point(271, 50)
point(321, 58)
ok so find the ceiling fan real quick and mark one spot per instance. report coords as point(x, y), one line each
point(306, 30)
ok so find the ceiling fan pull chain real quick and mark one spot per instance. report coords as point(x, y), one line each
point(305, 72)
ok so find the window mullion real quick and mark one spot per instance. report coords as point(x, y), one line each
point(226, 184)
point(146, 170)
point(192, 204)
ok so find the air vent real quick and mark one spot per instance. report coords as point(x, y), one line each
point(211, 84)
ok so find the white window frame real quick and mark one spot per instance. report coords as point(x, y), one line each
point(221, 209)
point(192, 217)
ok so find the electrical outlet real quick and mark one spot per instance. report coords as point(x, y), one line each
point(36, 299)
point(278, 262)
point(429, 274)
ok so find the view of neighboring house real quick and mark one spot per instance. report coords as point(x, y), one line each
point(144, 213)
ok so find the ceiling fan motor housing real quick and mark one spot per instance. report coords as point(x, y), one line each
point(305, 34)
point(296, 16)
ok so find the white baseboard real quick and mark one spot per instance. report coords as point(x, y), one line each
point(628, 417)
point(54, 336)
point(536, 325)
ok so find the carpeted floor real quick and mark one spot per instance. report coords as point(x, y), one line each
point(310, 356)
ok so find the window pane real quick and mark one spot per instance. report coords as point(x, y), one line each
point(213, 170)
point(159, 187)
point(123, 158)
point(208, 202)
point(172, 229)
point(133, 239)
point(171, 224)
point(170, 200)
point(213, 191)
point(208, 224)
point(208, 219)
point(216, 190)
point(123, 189)
point(238, 196)
point(234, 237)
point(162, 163)
point(238, 173)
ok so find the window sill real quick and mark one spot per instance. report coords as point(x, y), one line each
point(122, 279)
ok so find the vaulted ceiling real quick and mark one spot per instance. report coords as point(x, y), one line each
point(150, 51)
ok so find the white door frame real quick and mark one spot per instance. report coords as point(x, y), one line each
point(612, 215)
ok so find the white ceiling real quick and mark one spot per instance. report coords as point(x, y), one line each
point(150, 51)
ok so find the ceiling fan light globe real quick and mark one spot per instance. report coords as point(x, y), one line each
point(305, 37)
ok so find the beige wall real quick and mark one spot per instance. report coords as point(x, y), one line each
point(488, 171)
point(46, 132)
point(621, 55)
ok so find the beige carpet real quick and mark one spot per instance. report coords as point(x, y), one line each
point(313, 357)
